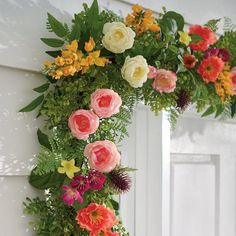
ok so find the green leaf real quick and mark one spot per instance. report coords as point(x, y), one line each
point(115, 204)
point(56, 26)
point(168, 26)
point(195, 38)
point(219, 111)
point(54, 53)
point(43, 139)
point(34, 104)
point(209, 111)
point(52, 42)
point(233, 107)
point(46, 181)
point(42, 88)
point(76, 29)
point(177, 17)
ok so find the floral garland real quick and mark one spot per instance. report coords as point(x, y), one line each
point(106, 65)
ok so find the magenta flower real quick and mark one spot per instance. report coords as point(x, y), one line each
point(224, 54)
point(212, 53)
point(96, 179)
point(71, 195)
point(80, 183)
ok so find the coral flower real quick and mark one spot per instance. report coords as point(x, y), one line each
point(71, 195)
point(210, 68)
point(69, 168)
point(208, 37)
point(152, 72)
point(81, 183)
point(96, 218)
point(189, 61)
point(96, 179)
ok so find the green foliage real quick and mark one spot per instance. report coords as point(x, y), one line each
point(43, 88)
point(53, 42)
point(213, 24)
point(33, 105)
point(53, 25)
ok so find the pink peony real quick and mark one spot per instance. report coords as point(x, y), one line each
point(102, 155)
point(165, 81)
point(82, 123)
point(71, 195)
point(233, 77)
point(105, 102)
point(152, 72)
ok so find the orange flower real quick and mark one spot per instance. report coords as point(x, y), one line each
point(141, 21)
point(89, 46)
point(103, 233)
point(137, 8)
point(96, 218)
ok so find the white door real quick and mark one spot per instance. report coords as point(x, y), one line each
point(203, 178)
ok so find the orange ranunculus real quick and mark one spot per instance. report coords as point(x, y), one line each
point(96, 219)
point(137, 8)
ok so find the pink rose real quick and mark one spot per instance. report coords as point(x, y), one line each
point(105, 102)
point(165, 81)
point(152, 72)
point(82, 123)
point(102, 155)
point(233, 77)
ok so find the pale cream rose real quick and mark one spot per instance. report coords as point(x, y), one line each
point(135, 70)
point(117, 37)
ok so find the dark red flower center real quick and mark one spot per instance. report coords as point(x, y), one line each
point(105, 101)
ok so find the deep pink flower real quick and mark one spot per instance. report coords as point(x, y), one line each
point(71, 195)
point(233, 77)
point(96, 179)
point(213, 52)
point(224, 54)
point(80, 183)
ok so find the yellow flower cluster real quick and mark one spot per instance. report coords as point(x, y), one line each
point(141, 20)
point(73, 60)
point(224, 85)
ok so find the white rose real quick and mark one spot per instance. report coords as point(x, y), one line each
point(117, 37)
point(135, 71)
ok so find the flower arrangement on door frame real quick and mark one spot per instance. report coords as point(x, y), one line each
point(103, 67)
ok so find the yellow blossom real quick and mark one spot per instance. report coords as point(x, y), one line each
point(59, 61)
point(129, 20)
point(48, 64)
point(58, 74)
point(69, 70)
point(68, 61)
point(97, 60)
point(184, 38)
point(154, 28)
point(69, 168)
point(73, 46)
point(89, 46)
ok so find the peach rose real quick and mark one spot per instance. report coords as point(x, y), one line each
point(165, 81)
point(82, 123)
point(96, 218)
point(152, 72)
point(233, 77)
point(105, 102)
point(102, 155)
